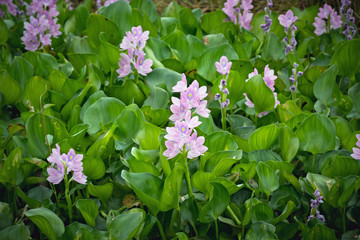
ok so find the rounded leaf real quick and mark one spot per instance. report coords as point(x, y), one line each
point(263, 137)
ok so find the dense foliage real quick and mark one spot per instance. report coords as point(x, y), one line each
point(122, 124)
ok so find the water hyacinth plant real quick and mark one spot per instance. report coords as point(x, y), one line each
point(144, 120)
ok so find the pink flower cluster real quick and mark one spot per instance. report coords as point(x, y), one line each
point(269, 79)
point(356, 151)
point(327, 19)
point(236, 16)
point(134, 42)
point(42, 27)
point(183, 137)
point(11, 8)
point(223, 67)
point(65, 163)
point(107, 3)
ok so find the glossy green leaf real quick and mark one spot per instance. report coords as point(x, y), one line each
point(343, 131)
point(200, 180)
point(109, 55)
point(262, 212)
point(92, 99)
point(206, 62)
point(273, 48)
point(219, 199)
point(88, 209)
point(260, 94)
point(125, 226)
point(10, 89)
point(283, 196)
point(4, 32)
point(188, 22)
point(346, 58)
point(323, 183)
point(21, 70)
point(170, 195)
point(47, 221)
point(164, 77)
point(158, 98)
point(190, 211)
point(103, 192)
point(320, 231)
point(98, 23)
point(103, 111)
point(263, 137)
point(157, 117)
point(77, 99)
point(79, 60)
point(220, 141)
point(94, 168)
point(178, 41)
point(316, 134)
point(268, 180)
point(120, 14)
point(340, 166)
point(33, 89)
point(148, 137)
point(15, 232)
point(210, 20)
point(36, 134)
point(57, 80)
point(139, 166)
point(290, 206)
point(43, 63)
point(147, 187)
point(40, 193)
point(129, 123)
point(289, 143)
point(261, 231)
point(10, 168)
point(325, 85)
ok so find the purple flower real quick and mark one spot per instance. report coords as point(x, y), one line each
point(246, 5)
point(11, 7)
point(225, 90)
point(178, 109)
point(299, 73)
point(124, 65)
point(202, 110)
point(292, 88)
point(180, 86)
point(195, 146)
point(225, 104)
point(269, 77)
point(315, 204)
point(172, 149)
point(325, 11)
point(136, 39)
point(287, 19)
point(245, 20)
point(356, 151)
point(223, 66)
point(143, 66)
point(222, 83)
point(320, 26)
point(217, 96)
point(335, 20)
point(64, 164)
point(31, 41)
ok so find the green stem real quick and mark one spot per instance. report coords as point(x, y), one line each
point(136, 77)
point(67, 196)
point(162, 233)
point(344, 219)
point(233, 215)
point(216, 230)
point(223, 118)
point(187, 176)
point(313, 163)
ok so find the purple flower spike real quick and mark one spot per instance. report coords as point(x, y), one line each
point(217, 96)
point(143, 66)
point(223, 66)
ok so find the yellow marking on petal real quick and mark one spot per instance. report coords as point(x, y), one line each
point(183, 129)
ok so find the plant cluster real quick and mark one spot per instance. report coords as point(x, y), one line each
point(120, 123)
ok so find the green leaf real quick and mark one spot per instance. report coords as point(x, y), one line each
point(36, 134)
point(79, 60)
point(15, 232)
point(47, 221)
point(207, 60)
point(177, 40)
point(43, 63)
point(147, 187)
point(77, 99)
point(40, 193)
point(190, 211)
point(103, 192)
point(273, 48)
point(289, 143)
point(57, 80)
point(129, 123)
point(4, 32)
point(163, 77)
point(109, 55)
point(343, 131)
point(33, 89)
point(340, 166)
point(125, 226)
point(346, 58)
point(285, 213)
point(320, 231)
point(210, 20)
point(94, 168)
point(260, 94)
point(200, 180)
point(172, 186)
point(148, 137)
point(263, 137)
point(158, 98)
point(97, 23)
point(325, 85)
point(21, 70)
point(120, 13)
point(10, 89)
point(219, 199)
point(89, 210)
point(92, 99)
point(10, 168)
point(261, 231)
point(321, 182)
point(188, 22)
point(262, 212)
point(268, 180)
point(220, 141)
point(316, 134)
point(103, 111)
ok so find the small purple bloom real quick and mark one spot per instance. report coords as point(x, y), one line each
point(287, 19)
point(143, 66)
point(217, 96)
point(325, 11)
point(124, 65)
point(299, 73)
point(292, 88)
point(225, 90)
point(356, 151)
point(223, 66)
